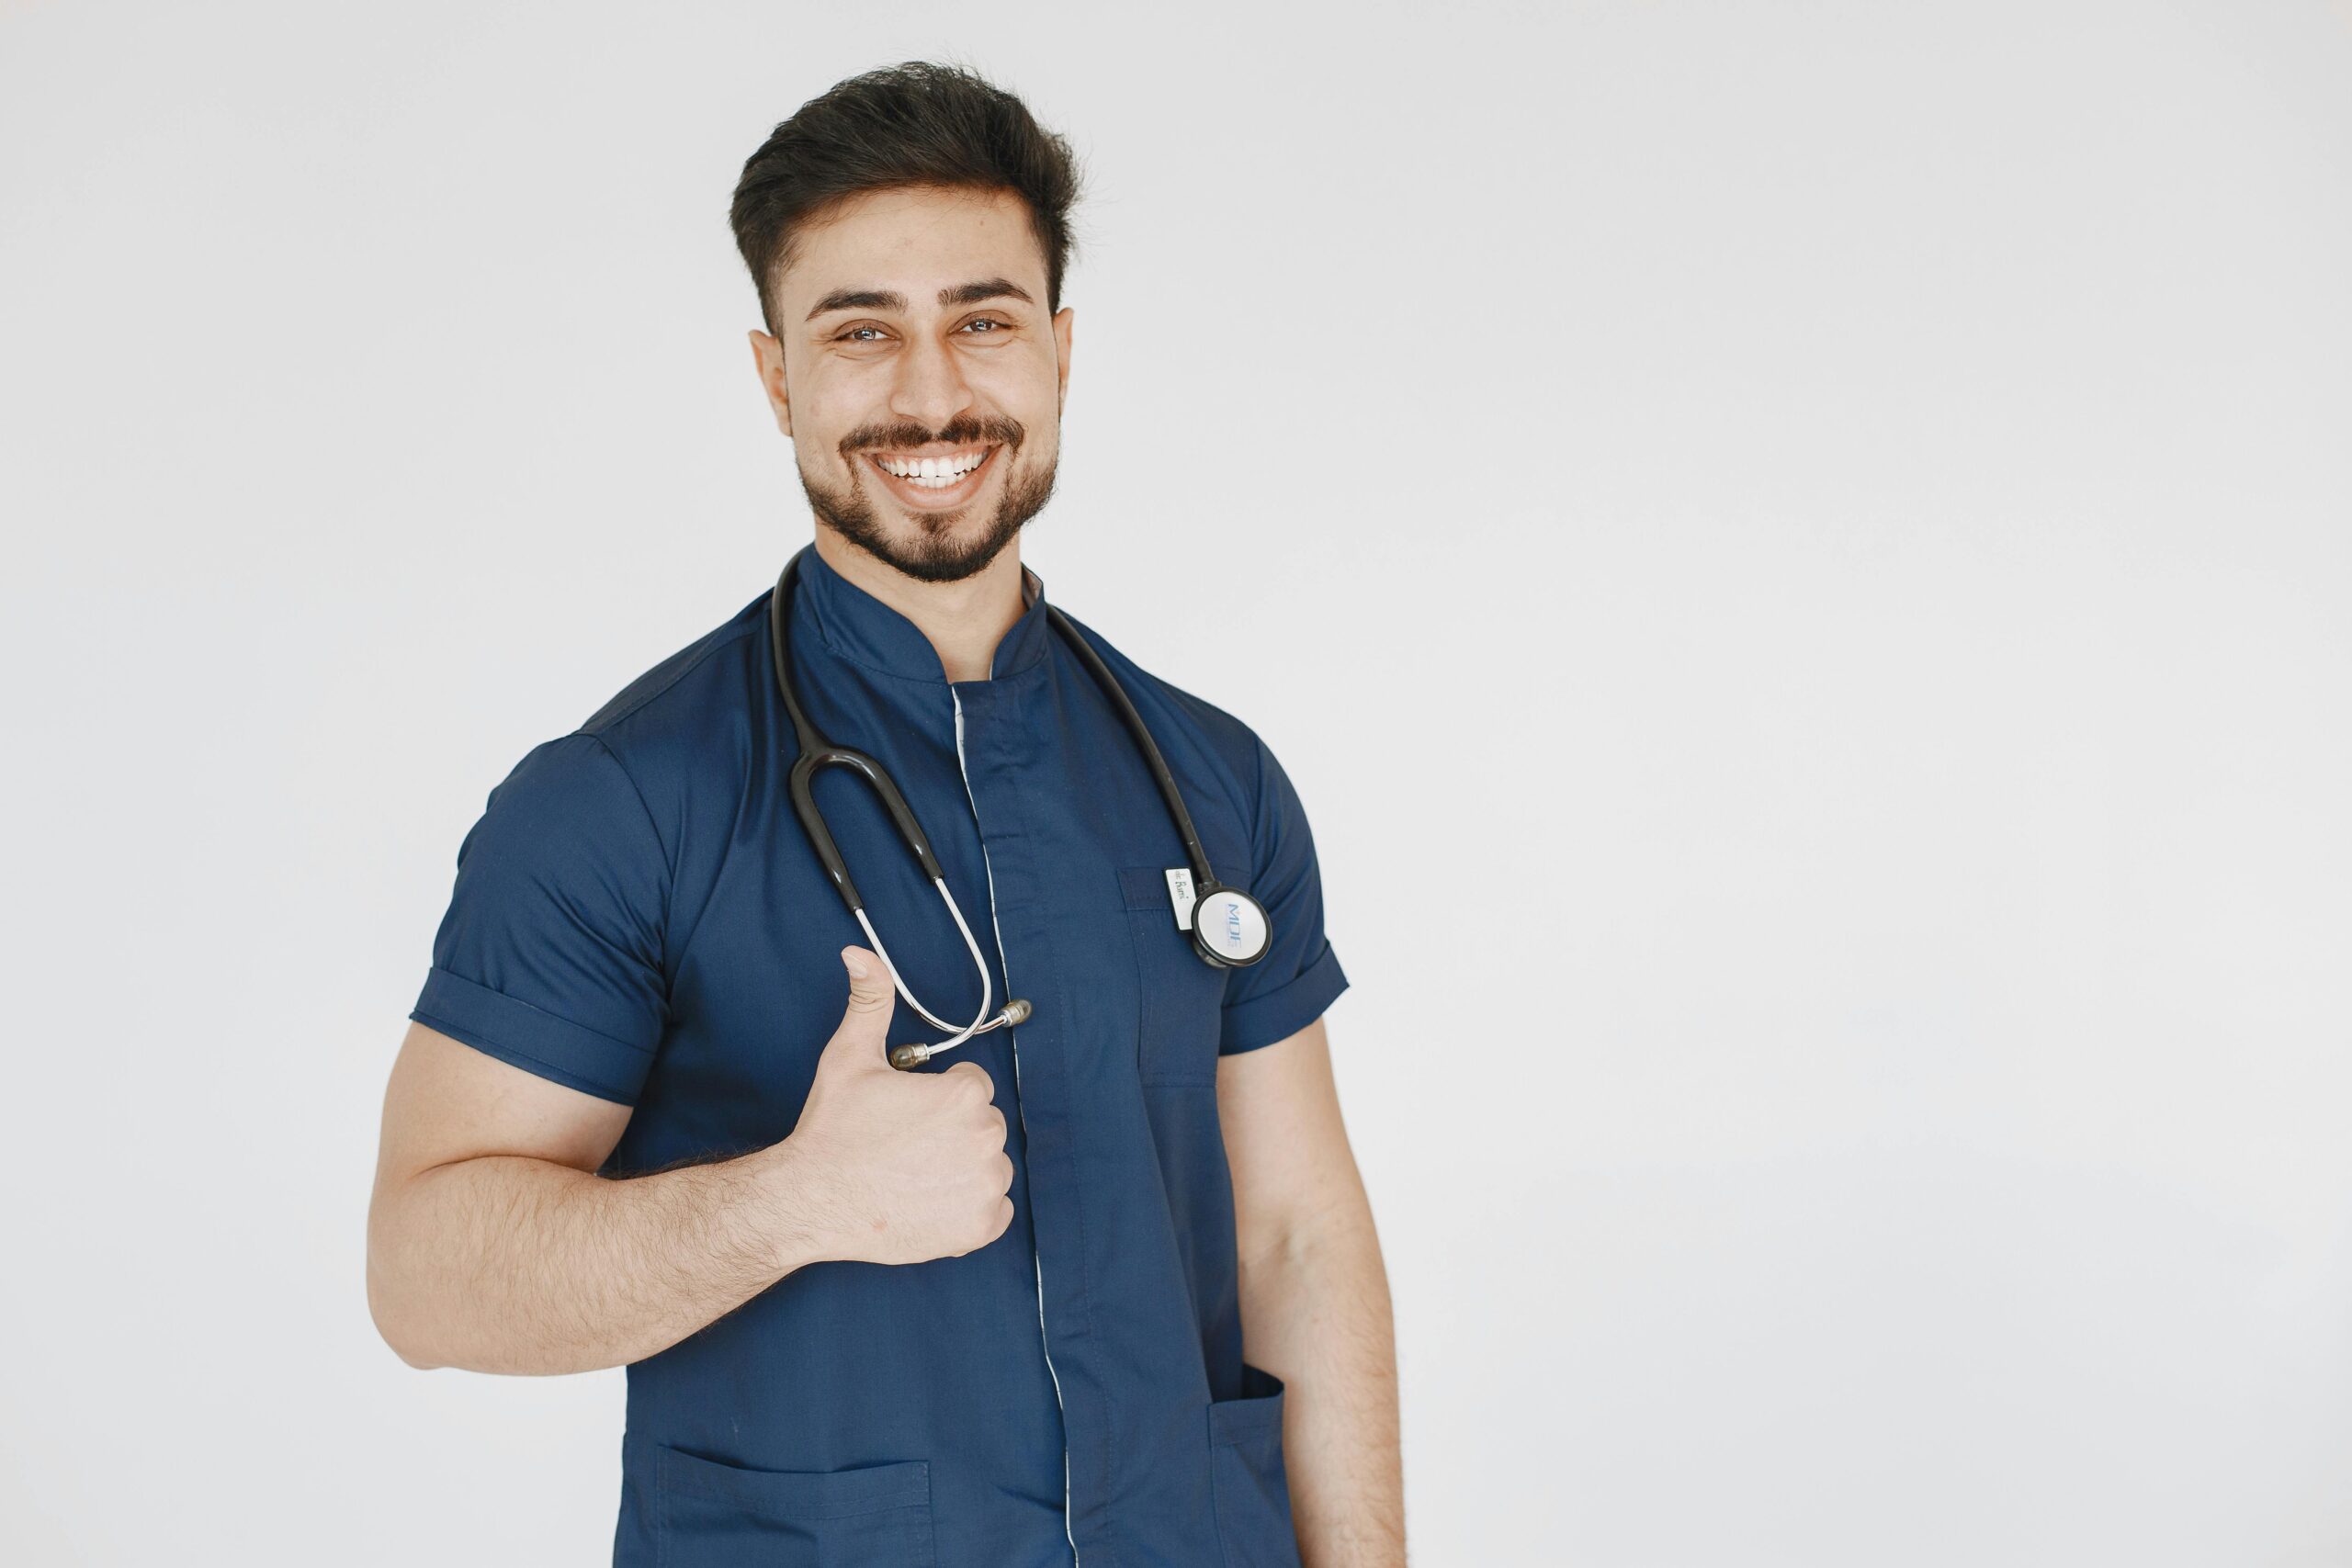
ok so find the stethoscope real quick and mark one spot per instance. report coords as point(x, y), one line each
point(1229, 927)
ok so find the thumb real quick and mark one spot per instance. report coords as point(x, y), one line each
point(868, 1019)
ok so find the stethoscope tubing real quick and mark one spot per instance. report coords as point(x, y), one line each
point(817, 753)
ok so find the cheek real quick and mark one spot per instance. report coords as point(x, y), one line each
point(1041, 421)
point(1019, 380)
point(833, 396)
point(818, 455)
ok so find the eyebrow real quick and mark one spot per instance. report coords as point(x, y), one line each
point(891, 299)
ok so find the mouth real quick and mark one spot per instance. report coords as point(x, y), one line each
point(933, 481)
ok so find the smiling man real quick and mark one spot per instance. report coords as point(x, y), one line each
point(1103, 1289)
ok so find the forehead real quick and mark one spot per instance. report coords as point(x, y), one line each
point(914, 241)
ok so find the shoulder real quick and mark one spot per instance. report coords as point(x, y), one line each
point(674, 731)
point(1219, 743)
point(680, 693)
point(654, 758)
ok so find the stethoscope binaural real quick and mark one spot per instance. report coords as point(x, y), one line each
point(1229, 927)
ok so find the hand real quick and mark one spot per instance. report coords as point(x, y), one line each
point(899, 1167)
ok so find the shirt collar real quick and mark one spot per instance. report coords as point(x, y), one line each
point(863, 629)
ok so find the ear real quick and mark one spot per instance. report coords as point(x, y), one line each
point(767, 360)
point(1062, 318)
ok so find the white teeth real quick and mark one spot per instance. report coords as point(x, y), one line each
point(933, 473)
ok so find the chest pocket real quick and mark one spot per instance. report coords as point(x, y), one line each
point(1183, 997)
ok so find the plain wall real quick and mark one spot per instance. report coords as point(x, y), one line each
point(1796, 554)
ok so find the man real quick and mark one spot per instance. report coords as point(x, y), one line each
point(994, 1312)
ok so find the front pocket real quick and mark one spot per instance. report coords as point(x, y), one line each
point(1182, 994)
point(712, 1514)
point(1247, 1481)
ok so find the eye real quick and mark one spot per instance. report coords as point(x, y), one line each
point(997, 325)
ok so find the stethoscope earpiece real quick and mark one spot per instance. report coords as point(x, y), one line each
point(907, 1058)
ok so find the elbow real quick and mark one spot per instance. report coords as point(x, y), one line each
point(420, 1362)
point(399, 1334)
point(407, 1351)
point(1282, 1241)
point(396, 1324)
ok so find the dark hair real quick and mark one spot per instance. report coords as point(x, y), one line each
point(918, 123)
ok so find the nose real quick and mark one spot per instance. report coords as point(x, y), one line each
point(930, 387)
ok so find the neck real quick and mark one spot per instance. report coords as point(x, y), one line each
point(964, 621)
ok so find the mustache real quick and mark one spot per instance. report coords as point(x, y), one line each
point(996, 430)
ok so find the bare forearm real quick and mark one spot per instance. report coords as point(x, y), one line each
point(1314, 1312)
point(506, 1264)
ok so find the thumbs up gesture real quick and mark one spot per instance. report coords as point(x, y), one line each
point(899, 1167)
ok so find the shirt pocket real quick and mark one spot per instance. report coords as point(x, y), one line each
point(722, 1516)
point(1180, 1017)
point(1248, 1483)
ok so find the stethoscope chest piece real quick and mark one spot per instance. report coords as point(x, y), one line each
point(1229, 927)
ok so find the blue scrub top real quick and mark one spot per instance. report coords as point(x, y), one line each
point(637, 915)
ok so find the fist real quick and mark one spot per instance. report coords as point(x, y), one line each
point(901, 1166)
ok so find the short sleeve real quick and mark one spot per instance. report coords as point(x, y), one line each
point(549, 957)
point(1287, 989)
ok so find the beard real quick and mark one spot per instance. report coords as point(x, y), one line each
point(940, 550)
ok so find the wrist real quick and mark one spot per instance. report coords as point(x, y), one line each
point(794, 1203)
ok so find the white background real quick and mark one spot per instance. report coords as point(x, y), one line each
point(1797, 555)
